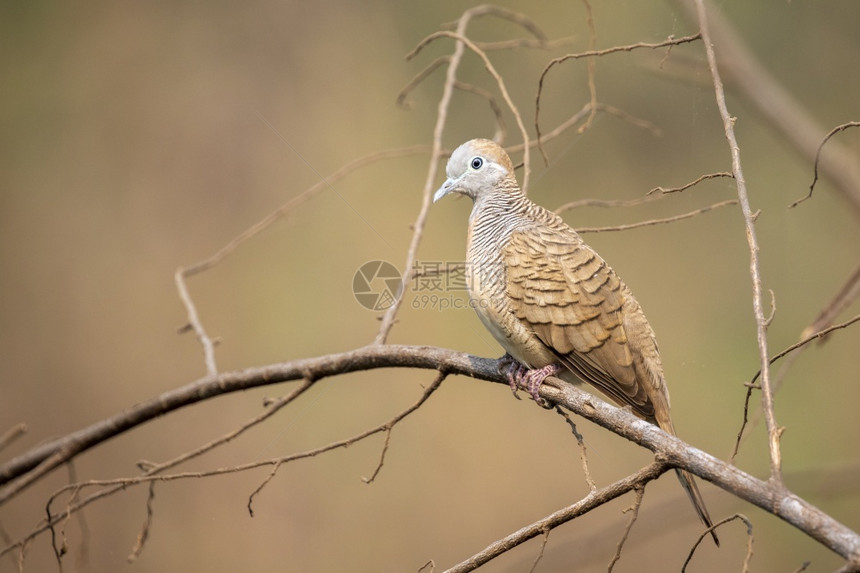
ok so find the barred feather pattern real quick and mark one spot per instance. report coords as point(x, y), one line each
point(548, 298)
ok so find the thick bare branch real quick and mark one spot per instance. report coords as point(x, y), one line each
point(770, 496)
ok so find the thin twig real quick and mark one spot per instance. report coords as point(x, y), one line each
point(651, 222)
point(773, 429)
point(113, 485)
point(324, 183)
point(806, 340)
point(606, 203)
point(654, 194)
point(417, 79)
point(827, 137)
point(591, 501)
point(590, 71)
point(250, 506)
point(518, 18)
point(535, 43)
point(749, 553)
point(12, 434)
point(539, 556)
point(754, 82)
point(847, 294)
point(671, 41)
point(751, 384)
point(141, 416)
point(194, 322)
point(379, 465)
point(499, 82)
point(686, 186)
point(501, 129)
point(634, 508)
point(433, 167)
point(147, 525)
point(463, 42)
point(583, 452)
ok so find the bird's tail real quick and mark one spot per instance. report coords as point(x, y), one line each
point(689, 485)
point(686, 478)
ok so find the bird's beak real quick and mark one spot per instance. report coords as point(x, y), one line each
point(446, 188)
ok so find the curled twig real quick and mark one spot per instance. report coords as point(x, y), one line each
point(418, 78)
point(749, 553)
point(827, 137)
point(671, 41)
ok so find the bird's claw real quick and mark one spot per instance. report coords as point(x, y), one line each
point(534, 379)
point(520, 376)
point(513, 371)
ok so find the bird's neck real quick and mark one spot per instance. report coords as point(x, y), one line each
point(494, 217)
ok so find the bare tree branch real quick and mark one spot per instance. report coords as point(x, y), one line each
point(847, 294)
point(749, 553)
point(665, 220)
point(589, 54)
point(441, 120)
point(758, 86)
point(752, 385)
point(634, 514)
point(592, 500)
point(12, 434)
point(672, 452)
point(773, 429)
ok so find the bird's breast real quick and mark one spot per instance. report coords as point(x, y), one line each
point(486, 278)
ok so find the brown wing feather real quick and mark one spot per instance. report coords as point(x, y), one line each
point(574, 303)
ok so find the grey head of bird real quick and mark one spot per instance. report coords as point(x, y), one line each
point(476, 168)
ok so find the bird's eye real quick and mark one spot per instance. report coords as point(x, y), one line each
point(476, 163)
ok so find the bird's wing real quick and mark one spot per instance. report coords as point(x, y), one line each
point(563, 292)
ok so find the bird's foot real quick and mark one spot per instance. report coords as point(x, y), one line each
point(534, 379)
point(520, 376)
point(513, 371)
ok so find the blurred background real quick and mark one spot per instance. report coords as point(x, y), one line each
point(137, 138)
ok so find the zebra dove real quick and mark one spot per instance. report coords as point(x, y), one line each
point(552, 303)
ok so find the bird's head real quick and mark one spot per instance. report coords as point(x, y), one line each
point(478, 167)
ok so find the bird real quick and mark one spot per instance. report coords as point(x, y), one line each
point(554, 305)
